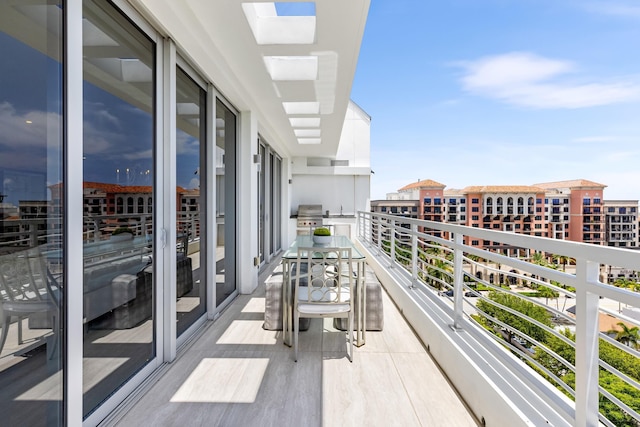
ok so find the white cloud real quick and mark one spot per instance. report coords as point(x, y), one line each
point(528, 80)
point(145, 154)
point(625, 9)
point(600, 138)
point(31, 129)
point(186, 144)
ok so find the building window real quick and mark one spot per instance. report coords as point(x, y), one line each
point(475, 242)
point(538, 226)
point(475, 209)
point(475, 218)
point(596, 201)
point(539, 201)
point(586, 201)
point(496, 226)
point(474, 200)
point(623, 210)
point(427, 200)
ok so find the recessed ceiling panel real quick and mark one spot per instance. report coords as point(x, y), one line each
point(292, 67)
point(305, 122)
point(307, 133)
point(309, 141)
point(301, 107)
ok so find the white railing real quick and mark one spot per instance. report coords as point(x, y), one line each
point(514, 292)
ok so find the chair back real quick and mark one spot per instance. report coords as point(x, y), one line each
point(25, 279)
point(327, 278)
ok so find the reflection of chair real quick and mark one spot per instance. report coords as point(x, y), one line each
point(26, 287)
point(327, 293)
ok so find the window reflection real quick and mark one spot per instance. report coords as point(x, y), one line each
point(118, 224)
point(31, 224)
point(190, 123)
point(225, 202)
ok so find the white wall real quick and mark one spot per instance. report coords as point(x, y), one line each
point(340, 189)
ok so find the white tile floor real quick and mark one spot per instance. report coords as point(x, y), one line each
point(238, 374)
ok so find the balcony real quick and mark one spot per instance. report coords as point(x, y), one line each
point(235, 372)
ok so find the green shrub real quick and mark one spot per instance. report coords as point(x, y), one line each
point(322, 231)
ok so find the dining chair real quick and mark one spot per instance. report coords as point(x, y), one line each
point(26, 287)
point(321, 289)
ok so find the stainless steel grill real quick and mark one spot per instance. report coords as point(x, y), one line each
point(309, 216)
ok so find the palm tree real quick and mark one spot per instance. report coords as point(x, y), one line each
point(627, 336)
point(563, 260)
point(539, 258)
point(439, 272)
point(547, 293)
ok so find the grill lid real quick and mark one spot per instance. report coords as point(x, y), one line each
point(309, 211)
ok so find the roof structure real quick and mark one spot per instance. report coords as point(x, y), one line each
point(502, 189)
point(427, 183)
point(117, 188)
point(574, 183)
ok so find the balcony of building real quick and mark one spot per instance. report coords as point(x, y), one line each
point(456, 348)
point(236, 373)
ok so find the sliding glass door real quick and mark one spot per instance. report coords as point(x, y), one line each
point(118, 150)
point(225, 256)
point(32, 288)
point(191, 119)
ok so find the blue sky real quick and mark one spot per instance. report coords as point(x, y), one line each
point(497, 92)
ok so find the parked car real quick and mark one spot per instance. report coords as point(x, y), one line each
point(471, 294)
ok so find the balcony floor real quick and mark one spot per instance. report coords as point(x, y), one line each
point(234, 373)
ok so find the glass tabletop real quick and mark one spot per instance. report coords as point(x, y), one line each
point(306, 241)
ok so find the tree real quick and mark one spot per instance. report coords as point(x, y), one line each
point(518, 324)
point(627, 336)
point(546, 293)
point(539, 258)
point(439, 272)
point(563, 260)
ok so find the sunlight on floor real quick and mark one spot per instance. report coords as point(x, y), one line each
point(233, 380)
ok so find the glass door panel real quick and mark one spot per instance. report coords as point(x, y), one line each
point(118, 147)
point(225, 258)
point(32, 291)
point(261, 202)
point(190, 233)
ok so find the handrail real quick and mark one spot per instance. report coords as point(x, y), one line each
point(439, 256)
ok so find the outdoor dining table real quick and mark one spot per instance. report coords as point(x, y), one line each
point(290, 257)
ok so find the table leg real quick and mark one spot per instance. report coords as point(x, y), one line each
point(286, 311)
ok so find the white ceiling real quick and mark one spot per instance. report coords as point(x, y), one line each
point(294, 72)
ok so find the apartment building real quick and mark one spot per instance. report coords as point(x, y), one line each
point(586, 220)
point(621, 219)
point(566, 210)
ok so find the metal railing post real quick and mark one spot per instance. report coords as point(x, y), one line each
point(392, 243)
point(457, 282)
point(414, 256)
point(379, 242)
point(587, 354)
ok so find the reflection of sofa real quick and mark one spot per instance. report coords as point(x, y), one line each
point(129, 293)
point(110, 284)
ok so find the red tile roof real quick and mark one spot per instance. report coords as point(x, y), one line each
point(427, 183)
point(502, 189)
point(574, 183)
